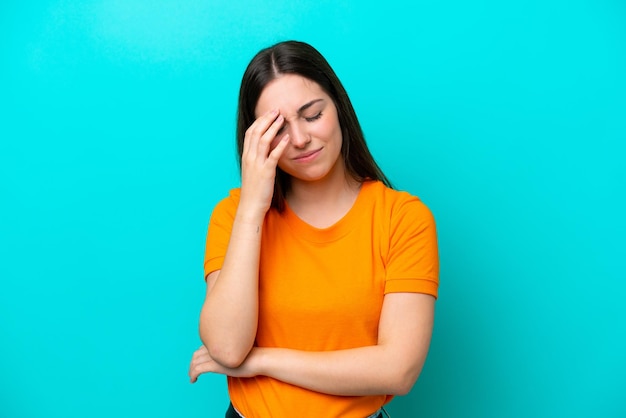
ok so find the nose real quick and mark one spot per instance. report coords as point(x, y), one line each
point(298, 135)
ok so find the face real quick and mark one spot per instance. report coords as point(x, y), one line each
point(315, 138)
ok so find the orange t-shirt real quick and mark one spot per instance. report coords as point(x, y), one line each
point(323, 289)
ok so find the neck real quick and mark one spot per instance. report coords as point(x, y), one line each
point(322, 203)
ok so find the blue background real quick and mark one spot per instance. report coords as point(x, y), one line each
point(117, 138)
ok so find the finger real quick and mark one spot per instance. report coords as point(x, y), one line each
point(193, 376)
point(199, 352)
point(199, 369)
point(264, 144)
point(258, 128)
point(194, 371)
point(278, 151)
point(200, 359)
point(201, 356)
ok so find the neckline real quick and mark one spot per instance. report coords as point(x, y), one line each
point(334, 232)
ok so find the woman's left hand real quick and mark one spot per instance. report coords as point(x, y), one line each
point(201, 363)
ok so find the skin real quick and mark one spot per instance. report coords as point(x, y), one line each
point(321, 193)
point(298, 130)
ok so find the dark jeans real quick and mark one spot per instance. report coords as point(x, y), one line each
point(231, 413)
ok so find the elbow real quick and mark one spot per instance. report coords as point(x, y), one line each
point(403, 387)
point(226, 348)
point(230, 356)
point(403, 381)
point(227, 357)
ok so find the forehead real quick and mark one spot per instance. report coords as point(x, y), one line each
point(288, 93)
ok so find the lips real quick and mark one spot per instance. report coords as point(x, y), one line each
point(307, 156)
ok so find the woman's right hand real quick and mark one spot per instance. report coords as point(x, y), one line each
point(228, 330)
point(261, 152)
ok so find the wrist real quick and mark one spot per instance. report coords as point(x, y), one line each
point(260, 357)
point(250, 215)
point(248, 225)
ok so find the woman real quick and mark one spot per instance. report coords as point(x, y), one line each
point(321, 279)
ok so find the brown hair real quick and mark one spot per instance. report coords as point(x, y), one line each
point(293, 57)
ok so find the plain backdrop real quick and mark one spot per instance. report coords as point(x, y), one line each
point(508, 119)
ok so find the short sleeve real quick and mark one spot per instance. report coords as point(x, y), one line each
point(218, 236)
point(413, 260)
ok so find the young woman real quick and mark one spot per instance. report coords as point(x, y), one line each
point(321, 279)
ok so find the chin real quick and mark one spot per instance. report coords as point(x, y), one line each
point(313, 173)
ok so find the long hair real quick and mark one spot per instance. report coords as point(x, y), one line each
point(293, 57)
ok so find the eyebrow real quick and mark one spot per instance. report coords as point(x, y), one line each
point(307, 105)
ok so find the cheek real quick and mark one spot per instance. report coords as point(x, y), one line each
point(331, 127)
point(334, 134)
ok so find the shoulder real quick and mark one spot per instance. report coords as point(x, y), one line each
point(227, 206)
point(399, 205)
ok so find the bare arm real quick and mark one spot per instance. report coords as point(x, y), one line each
point(228, 320)
point(390, 367)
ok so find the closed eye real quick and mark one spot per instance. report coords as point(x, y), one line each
point(314, 118)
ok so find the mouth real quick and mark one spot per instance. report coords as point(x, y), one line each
point(307, 156)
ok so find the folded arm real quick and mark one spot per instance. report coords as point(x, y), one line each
point(390, 367)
